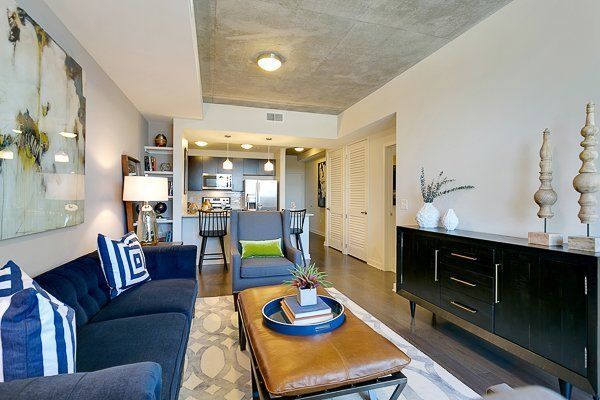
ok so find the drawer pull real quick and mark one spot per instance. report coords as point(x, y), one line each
point(463, 282)
point(463, 256)
point(462, 307)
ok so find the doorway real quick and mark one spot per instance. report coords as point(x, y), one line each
point(389, 263)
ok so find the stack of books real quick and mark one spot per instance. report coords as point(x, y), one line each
point(307, 315)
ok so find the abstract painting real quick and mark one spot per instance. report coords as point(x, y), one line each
point(42, 129)
point(321, 184)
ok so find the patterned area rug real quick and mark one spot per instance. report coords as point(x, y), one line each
point(216, 368)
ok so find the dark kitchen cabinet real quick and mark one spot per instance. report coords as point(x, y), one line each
point(419, 274)
point(237, 183)
point(538, 303)
point(195, 169)
point(210, 165)
point(250, 166)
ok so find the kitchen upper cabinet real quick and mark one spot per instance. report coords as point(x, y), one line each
point(195, 169)
point(419, 267)
point(237, 183)
point(250, 166)
point(210, 165)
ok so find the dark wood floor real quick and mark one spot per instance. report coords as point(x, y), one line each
point(473, 361)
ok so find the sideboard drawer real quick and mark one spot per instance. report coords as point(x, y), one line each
point(474, 257)
point(478, 286)
point(468, 308)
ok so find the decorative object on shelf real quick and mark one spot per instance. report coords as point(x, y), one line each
point(166, 167)
point(321, 184)
point(587, 182)
point(450, 220)
point(428, 216)
point(43, 111)
point(307, 279)
point(268, 165)
point(206, 206)
point(192, 207)
point(160, 208)
point(146, 188)
point(160, 140)
point(545, 197)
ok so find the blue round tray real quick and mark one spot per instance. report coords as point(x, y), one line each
point(274, 318)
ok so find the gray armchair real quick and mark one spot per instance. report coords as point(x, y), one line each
point(261, 271)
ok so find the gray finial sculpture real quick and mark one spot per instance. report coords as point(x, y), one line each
point(545, 197)
point(587, 182)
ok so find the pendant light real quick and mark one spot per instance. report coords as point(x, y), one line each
point(227, 164)
point(268, 165)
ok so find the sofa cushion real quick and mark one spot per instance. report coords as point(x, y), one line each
point(161, 296)
point(161, 338)
point(259, 267)
point(79, 284)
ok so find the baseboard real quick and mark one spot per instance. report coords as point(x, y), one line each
point(317, 232)
point(376, 263)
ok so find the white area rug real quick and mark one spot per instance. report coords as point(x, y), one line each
point(216, 368)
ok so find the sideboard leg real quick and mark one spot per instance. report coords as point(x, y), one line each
point(413, 307)
point(565, 389)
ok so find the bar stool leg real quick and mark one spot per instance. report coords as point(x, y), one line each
point(299, 246)
point(223, 251)
point(202, 251)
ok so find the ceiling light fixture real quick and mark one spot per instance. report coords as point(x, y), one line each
point(227, 164)
point(69, 135)
point(268, 164)
point(299, 149)
point(269, 61)
point(200, 143)
point(247, 146)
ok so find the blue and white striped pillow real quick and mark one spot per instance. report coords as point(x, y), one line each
point(37, 331)
point(12, 279)
point(123, 262)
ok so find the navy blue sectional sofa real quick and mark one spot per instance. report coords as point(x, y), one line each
point(132, 347)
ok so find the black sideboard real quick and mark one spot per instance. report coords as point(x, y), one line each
point(538, 303)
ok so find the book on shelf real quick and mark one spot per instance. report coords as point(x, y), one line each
point(147, 165)
point(298, 311)
point(305, 320)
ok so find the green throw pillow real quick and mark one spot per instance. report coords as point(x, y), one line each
point(261, 248)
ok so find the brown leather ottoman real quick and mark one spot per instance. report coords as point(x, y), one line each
point(351, 359)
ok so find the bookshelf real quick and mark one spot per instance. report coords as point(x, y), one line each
point(158, 161)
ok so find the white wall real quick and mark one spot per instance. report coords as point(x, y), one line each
point(376, 243)
point(476, 109)
point(113, 127)
point(295, 182)
point(317, 223)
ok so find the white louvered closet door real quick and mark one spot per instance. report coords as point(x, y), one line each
point(335, 210)
point(358, 199)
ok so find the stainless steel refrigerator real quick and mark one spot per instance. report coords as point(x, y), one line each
point(260, 194)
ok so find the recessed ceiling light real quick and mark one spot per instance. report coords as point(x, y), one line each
point(201, 143)
point(247, 146)
point(269, 61)
point(69, 135)
point(299, 149)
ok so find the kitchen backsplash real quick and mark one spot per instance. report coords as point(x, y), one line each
point(236, 197)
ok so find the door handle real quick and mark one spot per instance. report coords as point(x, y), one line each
point(435, 270)
point(463, 282)
point(496, 278)
point(363, 212)
point(463, 256)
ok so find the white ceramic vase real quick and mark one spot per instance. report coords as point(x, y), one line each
point(428, 216)
point(450, 220)
point(307, 297)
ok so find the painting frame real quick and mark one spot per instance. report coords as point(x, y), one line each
point(322, 184)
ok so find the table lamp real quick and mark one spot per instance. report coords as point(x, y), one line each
point(146, 188)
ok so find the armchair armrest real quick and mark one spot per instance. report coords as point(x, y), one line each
point(140, 381)
point(169, 262)
point(292, 253)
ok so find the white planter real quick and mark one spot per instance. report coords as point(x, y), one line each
point(307, 297)
point(450, 220)
point(428, 216)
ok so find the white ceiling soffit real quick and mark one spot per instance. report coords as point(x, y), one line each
point(147, 47)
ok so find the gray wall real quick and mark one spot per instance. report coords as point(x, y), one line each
point(114, 127)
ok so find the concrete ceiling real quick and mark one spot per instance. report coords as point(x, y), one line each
point(337, 51)
point(147, 47)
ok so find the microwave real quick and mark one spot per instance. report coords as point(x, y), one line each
point(216, 181)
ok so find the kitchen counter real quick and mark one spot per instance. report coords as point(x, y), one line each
point(189, 228)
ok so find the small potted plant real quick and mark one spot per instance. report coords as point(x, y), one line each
point(307, 279)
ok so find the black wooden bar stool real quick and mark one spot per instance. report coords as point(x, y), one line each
point(297, 228)
point(213, 224)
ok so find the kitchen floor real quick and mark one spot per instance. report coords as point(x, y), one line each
point(472, 360)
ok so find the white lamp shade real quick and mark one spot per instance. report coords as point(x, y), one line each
point(145, 188)
point(227, 164)
point(268, 166)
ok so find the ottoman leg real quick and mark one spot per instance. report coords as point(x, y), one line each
point(255, 394)
point(373, 395)
point(241, 333)
point(397, 391)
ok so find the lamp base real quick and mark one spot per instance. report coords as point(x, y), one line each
point(147, 228)
point(585, 243)
point(545, 239)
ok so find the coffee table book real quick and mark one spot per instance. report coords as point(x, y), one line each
point(305, 320)
point(299, 311)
